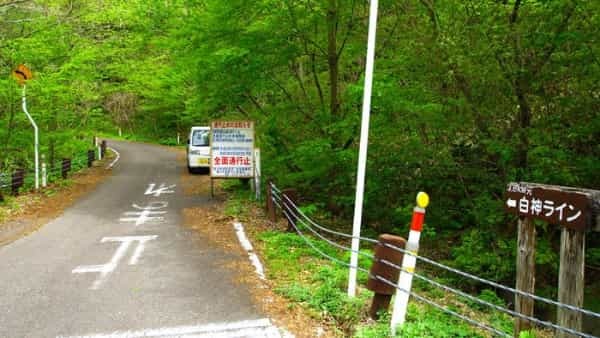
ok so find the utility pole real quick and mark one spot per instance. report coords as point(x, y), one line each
point(364, 142)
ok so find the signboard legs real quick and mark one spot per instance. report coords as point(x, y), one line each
point(525, 273)
point(257, 173)
point(571, 279)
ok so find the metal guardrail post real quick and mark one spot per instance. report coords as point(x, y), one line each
point(103, 149)
point(18, 179)
point(270, 206)
point(292, 195)
point(384, 291)
point(66, 167)
point(91, 155)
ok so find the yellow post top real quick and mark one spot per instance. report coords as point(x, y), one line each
point(422, 200)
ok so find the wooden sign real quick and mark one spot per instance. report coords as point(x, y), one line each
point(554, 205)
point(22, 74)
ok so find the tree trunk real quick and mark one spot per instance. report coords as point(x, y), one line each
point(524, 124)
point(332, 56)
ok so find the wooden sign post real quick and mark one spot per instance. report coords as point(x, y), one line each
point(576, 211)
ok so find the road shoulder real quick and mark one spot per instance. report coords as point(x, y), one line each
point(25, 214)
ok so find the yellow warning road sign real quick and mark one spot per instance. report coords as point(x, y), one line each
point(22, 74)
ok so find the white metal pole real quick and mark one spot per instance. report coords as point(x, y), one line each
point(44, 173)
point(364, 141)
point(257, 173)
point(409, 262)
point(36, 140)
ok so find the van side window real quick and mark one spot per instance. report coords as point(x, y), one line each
point(200, 138)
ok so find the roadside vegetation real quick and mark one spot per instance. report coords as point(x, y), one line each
point(25, 213)
point(307, 279)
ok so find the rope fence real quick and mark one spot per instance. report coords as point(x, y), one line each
point(300, 221)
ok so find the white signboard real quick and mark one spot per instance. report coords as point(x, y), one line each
point(232, 149)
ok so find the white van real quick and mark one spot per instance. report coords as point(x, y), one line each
point(198, 150)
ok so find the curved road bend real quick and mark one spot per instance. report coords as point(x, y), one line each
point(119, 263)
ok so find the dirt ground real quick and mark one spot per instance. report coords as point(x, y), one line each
point(212, 223)
point(28, 212)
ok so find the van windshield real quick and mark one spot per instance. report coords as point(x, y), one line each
point(200, 138)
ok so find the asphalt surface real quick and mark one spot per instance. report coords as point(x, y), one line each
point(120, 262)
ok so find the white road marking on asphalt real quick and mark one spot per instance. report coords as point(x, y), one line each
point(112, 164)
point(262, 328)
point(163, 189)
point(241, 235)
point(161, 205)
point(141, 217)
point(148, 213)
point(106, 269)
point(239, 228)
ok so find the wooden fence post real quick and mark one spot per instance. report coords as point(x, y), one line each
point(525, 273)
point(287, 207)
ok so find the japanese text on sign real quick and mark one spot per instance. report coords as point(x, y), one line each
point(555, 206)
point(232, 149)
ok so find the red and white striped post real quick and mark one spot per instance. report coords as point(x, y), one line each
point(409, 262)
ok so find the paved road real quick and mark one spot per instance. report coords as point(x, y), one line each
point(120, 262)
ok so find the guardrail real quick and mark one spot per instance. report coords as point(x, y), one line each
point(23, 178)
point(285, 202)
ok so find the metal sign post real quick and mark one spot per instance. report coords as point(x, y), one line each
point(23, 74)
point(362, 155)
point(36, 140)
point(257, 173)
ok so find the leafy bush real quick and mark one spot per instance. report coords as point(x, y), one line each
point(485, 254)
point(488, 296)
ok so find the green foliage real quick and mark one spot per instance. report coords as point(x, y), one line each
point(593, 256)
point(485, 255)
point(310, 281)
point(487, 296)
point(433, 323)
point(377, 330)
point(527, 334)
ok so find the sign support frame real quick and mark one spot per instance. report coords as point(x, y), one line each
point(584, 206)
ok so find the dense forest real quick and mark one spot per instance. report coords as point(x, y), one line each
point(468, 96)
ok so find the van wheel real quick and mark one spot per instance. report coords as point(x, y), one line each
point(190, 170)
